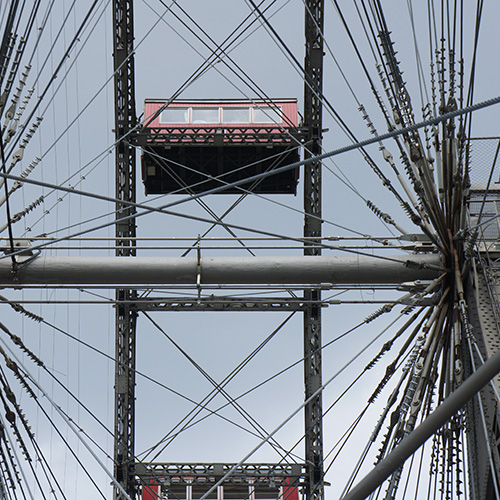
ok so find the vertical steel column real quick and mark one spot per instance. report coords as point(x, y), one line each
point(483, 418)
point(125, 120)
point(312, 229)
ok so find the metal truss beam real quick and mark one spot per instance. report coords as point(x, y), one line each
point(125, 121)
point(240, 136)
point(205, 304)
point(199, 471)
point(314, 14)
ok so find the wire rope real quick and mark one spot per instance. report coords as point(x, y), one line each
point(162, 209)
point(394, 133)
point(219, 389)
point(449, 31)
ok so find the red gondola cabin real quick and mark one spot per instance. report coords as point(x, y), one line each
point(198, 145)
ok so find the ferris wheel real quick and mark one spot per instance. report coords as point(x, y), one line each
point(249, 250)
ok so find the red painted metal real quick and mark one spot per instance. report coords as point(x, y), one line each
point(197, 145)
point(151, 491)
point(290, 492)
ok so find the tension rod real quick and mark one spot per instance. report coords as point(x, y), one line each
point(426, 429)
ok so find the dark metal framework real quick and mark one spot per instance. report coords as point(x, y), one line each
point(314, 15)
point(311, 478)
point(197, 169)
point(483, 410)
point(196, 159)
point(125, 121)
point(279, 304)
point(213, 135)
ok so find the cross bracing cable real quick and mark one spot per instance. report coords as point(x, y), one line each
point(169, 212)
point(219, 50)
point(207, 65)
point(218, 389)
point(220, 53)
point(184, 187)
point(394, 133)
point(195, 404)
point(329, 107)
point(322, 347)
point(69, 423)
point(148, 119)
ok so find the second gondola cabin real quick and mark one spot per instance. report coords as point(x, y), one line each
point(199, 145)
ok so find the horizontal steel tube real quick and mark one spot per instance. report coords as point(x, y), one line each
point(218, 270)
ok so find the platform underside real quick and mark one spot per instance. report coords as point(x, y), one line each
point(195, 169)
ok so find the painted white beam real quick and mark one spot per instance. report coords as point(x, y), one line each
point(46, 270)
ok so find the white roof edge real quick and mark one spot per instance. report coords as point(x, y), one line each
point(222, 101)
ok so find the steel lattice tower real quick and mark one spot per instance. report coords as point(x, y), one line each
point(125, 121)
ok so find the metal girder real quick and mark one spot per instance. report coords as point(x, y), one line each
point(483, 425)
point(199, 471)
point(218, 304)
point(313, 93)
point(125, 121)
point(241, 136)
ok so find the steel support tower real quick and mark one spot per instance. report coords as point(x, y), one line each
point(125, 121)
point(313, 93)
